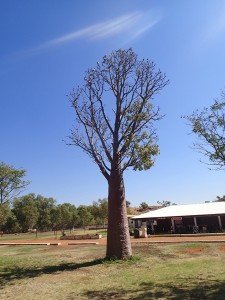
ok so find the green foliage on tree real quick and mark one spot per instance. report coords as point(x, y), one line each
point(209, 127)
point(85, 215)
point(44, 206)
point(99, 210)
point(26, 211)
point(143, 206)
point(115, 116)
point(12, 225)
point(55, 218)
point(38, 212)
point(11, 182)
point(165, 203)
point(220, 199)
point(5, 213)
point(74, 217)
point(128, 204)
point(67, 216)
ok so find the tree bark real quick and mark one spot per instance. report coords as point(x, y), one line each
point(118, 238)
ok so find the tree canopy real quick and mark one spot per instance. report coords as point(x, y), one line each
point(26, 211)
point(143, 205)
point(165, 203)
point(37, 212)
point(220, 199)
point(11, 182)
point(209, 126)
point(114, 114)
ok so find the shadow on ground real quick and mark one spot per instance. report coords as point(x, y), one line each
point(205, 290)
point(212, 290)
point(12, 274)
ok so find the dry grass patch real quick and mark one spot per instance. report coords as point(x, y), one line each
point(78, 272)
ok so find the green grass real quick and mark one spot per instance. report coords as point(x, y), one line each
point(164, 271)
point(47, 235)
point(28, 236)
point(103, 232)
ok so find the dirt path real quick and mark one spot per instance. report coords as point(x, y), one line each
point(178, 239)
point(152, 239)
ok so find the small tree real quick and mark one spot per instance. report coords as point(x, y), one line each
point(65, 216)
point(55, 218)
point(220, 199)
point(11, 225)
point(165, 203)
point(26, 211)
point(11, 182)
point(85, 215)
point(209, 126)
point(5, 213)
point(143, 206)
point(74, 218)
point(114, 125)
point(128, 204)
point(99, 210)
point(44, 206)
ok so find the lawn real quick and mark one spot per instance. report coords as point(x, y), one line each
point(47, 235)
point(157, 271)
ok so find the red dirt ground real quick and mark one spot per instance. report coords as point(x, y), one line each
point(152, 239)
point(222, 247)
point(194, 250)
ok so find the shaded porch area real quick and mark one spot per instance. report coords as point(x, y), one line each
point(186, 225)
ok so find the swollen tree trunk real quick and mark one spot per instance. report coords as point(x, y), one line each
point(123, 138)
point(118, 238)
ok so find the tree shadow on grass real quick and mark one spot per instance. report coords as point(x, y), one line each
point(10, 275)
point(208, 290)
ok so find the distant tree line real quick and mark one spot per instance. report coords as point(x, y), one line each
point(21, 214)
point(37, 212)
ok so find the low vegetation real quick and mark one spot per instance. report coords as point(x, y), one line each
point(177, 271)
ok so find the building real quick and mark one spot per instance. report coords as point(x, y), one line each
point(191, 218)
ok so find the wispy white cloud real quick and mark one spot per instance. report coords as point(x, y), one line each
point(217, 28)
point(99, 30)
point(147, 21)
point(130, 25)
point(214, 27)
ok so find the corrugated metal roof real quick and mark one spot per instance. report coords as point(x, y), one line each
point(213, 208)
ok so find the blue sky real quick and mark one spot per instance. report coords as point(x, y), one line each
point(47, 45)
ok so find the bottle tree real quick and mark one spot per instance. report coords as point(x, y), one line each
point(115, 118)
